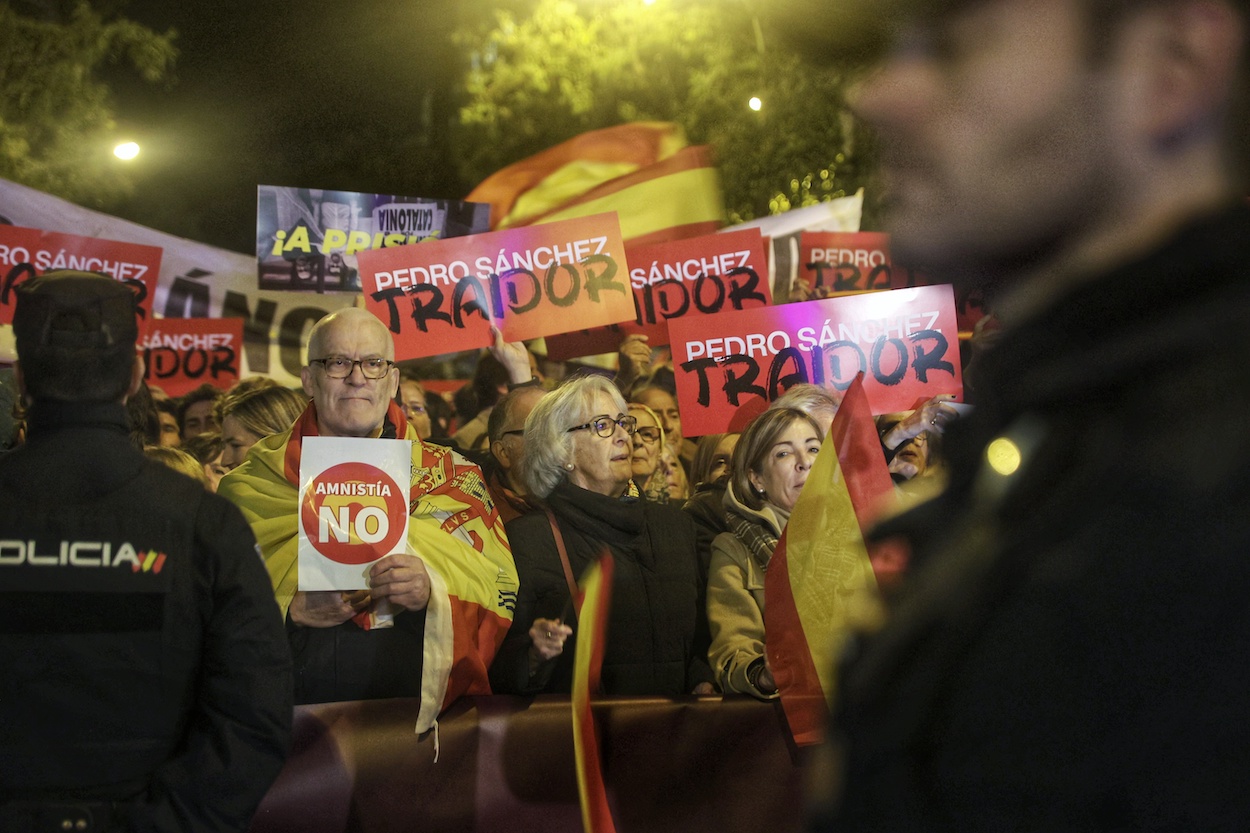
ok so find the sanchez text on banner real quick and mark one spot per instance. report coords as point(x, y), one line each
point(443, 296)
point(695, 276)
point(307, 238)
point(183, 353)
point(833, 263)
point(821, 567)
point(905, 342)
point(26, 252)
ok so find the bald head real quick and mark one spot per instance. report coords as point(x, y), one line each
point(352, 317)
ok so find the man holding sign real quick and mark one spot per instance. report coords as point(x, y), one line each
point(1068, 653)
point(452, 590)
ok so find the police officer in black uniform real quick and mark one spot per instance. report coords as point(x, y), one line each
point(144, 671)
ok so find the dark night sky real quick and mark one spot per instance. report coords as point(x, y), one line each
point(353, 96)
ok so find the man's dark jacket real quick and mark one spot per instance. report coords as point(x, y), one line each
point(1071, 650)
point(144, 660)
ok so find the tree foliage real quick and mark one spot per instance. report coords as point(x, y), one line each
point(56, 116)
point(566, 67)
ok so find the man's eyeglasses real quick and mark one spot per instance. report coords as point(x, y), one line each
point(605, 426)
point(649, 435)
point(516, 431)
point(340, 367)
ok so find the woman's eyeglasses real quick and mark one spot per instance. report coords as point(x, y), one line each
point(605, 426)
point(650, 436)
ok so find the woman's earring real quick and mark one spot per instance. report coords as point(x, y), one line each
point(568, 466)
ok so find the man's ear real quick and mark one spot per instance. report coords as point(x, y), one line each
point(1195, 55)
point(500, 449)
point(305, 378)
point(137, 369)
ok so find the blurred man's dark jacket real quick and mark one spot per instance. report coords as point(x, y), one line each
point(1070, 652)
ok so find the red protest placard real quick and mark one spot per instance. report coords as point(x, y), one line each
point(832, 262)
point(905, 341)
point(838, 262)
point(679, 279)
point(442, 295)
point(27, 252)
point(183, 353)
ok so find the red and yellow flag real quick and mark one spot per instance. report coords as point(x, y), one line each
point(821, 565)
point(592, 621)
point(660, 187)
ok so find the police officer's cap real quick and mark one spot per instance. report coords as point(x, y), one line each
point(69, 312)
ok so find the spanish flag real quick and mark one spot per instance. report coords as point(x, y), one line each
point(660, 187)
point(592, 620)
point(820, 568)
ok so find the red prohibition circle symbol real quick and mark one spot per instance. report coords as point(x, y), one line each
point(352, 513)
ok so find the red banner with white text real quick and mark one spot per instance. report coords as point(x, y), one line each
point(905, 342)
point(183, 353)
point(444, 295)
point(27, 252)
point(678, 279)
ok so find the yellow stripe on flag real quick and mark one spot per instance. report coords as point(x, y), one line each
point(820, 573)
point(592, 619)
point(565, 184)
point(828, 562)
point(676, 200)
point(660, 188)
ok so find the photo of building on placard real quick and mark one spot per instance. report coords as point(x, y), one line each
point(307, 238)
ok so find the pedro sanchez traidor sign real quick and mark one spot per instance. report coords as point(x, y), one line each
point(444, 295)
point(27, 252)
point(702, 275)
point(905, 341)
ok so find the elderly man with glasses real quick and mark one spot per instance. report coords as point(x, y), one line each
point(458, 561)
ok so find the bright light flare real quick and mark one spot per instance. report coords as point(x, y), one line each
point(1004, 456)
point(755, 103)
point(126, 151)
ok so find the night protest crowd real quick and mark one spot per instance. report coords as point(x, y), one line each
point(1065, 648)
point(570, 468)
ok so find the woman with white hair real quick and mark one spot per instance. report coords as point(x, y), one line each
point(578, 450)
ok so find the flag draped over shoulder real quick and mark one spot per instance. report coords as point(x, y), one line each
point(592, 623)
point(453, 527)
point(660, 187)
point(821, 564)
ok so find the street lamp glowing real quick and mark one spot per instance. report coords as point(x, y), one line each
point(755, 103)
point(126, 151)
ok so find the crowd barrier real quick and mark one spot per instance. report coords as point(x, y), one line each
point(505, 765)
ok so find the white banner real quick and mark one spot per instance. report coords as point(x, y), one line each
point(196, 281)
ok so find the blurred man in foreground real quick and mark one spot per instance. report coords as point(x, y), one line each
point(1068, 653)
